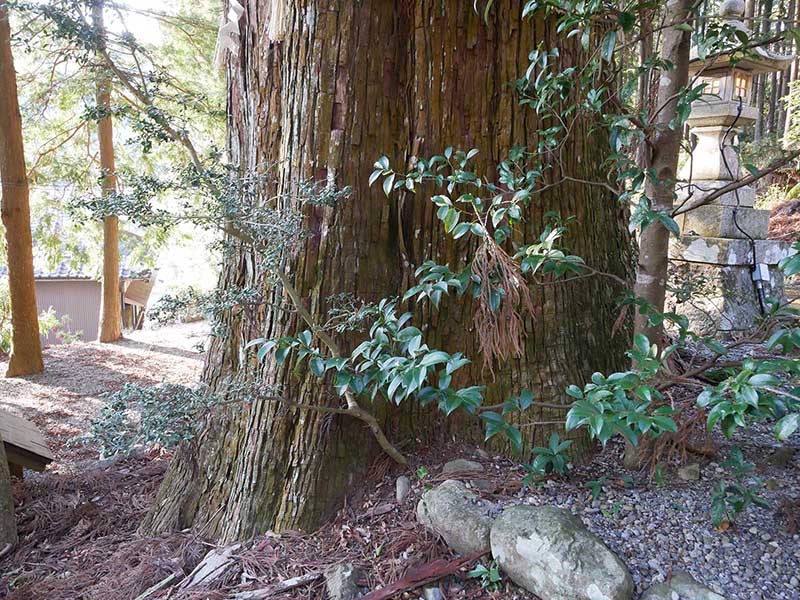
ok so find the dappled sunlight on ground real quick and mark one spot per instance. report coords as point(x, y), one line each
point(63, 399)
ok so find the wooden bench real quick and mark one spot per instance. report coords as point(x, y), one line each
point(24, 444)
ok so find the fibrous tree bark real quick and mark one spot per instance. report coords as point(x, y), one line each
point(651, 276)
point(111, 306)
point(26, 350)
point(342, 83)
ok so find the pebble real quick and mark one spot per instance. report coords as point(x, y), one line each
point(403, 487)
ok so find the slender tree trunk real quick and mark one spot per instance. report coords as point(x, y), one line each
point(651, 277)
point(774, 87)
point(111, 305)
point(645, 53)
point(350, 81)
point(791, 73)
point(26, 348)
point(761, 80)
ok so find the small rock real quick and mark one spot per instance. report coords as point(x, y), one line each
point(452, 511)
point(403, 487)
point(683, 586)
point(549, 552)
point(482, 485)
point(781, 457)
point(481, 453)
point(432, 593)
point(461, 464)
point(341, 581)
point(690, 472)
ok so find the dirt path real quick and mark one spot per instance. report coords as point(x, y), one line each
point(63, 399)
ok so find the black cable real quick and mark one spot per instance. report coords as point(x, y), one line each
point(757, 283)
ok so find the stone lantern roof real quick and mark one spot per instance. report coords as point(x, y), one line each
point(754, 61)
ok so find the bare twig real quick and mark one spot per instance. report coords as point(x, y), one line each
point(735, 185)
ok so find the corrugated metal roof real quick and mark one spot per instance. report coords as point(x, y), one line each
point(66, 271)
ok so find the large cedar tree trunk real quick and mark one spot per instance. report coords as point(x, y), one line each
point(26, 347)
point(348, 82)
point(111, 306)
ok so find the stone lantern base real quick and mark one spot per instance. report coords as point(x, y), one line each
point(712, 283)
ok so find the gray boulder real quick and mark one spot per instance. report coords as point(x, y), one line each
point(460, 465)
point(681, 586)
point(341, 581)
point(453, 512)
point(548, 551)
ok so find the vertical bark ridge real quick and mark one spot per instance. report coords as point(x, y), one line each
point(351, 81)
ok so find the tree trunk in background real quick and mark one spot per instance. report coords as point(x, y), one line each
point(761, 80)
point(794, 9)
point(26, 347)
point(651, 277)
point(348, 82)
point(645, 52)
point(774, 86)
point(111, 306)
point(8, 522)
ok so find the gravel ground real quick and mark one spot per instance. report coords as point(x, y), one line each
point(656, 529)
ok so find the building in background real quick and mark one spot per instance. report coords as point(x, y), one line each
point(72, 289)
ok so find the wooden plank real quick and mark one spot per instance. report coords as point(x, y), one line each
point(24, 458)
point(20, 436)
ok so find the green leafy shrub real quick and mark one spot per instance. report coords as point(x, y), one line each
point(148, 416)
point(596, 486)
point(182, 305)
point(50, 323)
point(490, 576)
point(552, 459)
point(729, 499)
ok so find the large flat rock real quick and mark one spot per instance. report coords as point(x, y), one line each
point(549, 552)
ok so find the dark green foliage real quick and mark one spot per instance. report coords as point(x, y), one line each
point(729, 499)
point(552, 459)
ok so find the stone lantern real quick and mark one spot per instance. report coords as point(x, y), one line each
point(724, 243)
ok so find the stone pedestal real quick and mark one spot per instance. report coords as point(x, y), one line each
point(718, 271)
point(708, 162)
point(719, 221)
